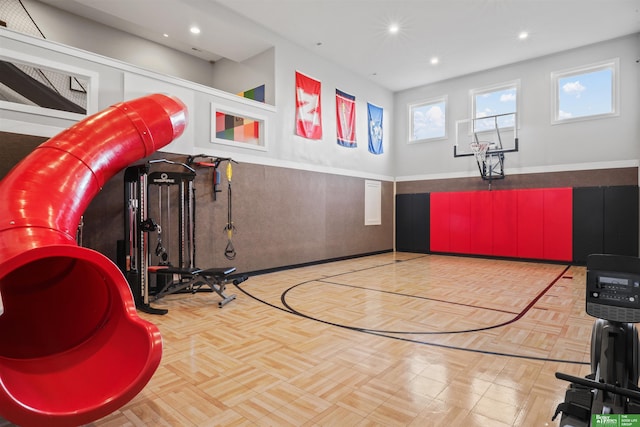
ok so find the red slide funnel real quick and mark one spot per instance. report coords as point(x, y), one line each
point(72, 347)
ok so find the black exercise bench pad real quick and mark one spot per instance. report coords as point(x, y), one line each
point(217, 271)
point(193, 279)
point(165, 269)
point(192, 271)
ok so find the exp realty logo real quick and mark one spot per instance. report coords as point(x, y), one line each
point(605, 420)
point(615, 420)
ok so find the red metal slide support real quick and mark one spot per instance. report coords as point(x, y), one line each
point(72, 347)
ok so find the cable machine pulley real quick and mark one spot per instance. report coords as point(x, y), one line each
point(170, 275)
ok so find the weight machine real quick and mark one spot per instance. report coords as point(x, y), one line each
point(613, 298)
point(151, 273)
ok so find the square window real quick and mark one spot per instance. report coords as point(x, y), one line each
point(497, 104)
point(428, 120)
point(585, 92)
point(493, 120)
point(67, 92)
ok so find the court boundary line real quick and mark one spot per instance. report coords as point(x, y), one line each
point(386, 334)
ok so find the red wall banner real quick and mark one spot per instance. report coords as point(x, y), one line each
point(308, 107)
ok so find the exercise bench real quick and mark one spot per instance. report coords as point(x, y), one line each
point(193, 280)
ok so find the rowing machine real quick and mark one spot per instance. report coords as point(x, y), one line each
point(613, 298)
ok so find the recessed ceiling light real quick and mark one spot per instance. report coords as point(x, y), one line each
point(165, 35)
point(195, 30)
point(394, 28)
point(435, 60)
point(523, 35)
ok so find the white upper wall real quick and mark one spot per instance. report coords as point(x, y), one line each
point(115, 81)
point(91, 36)
point(587, 144)
point(294, 151)
point(236, 77)
point(327, 152)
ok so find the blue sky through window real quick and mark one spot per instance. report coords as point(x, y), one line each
point(428, 121)
point(496, 102)
point(585, 94)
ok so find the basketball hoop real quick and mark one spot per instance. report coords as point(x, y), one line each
point(487, 139)
point(479, 150)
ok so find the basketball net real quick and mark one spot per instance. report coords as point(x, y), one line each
point(479, 150)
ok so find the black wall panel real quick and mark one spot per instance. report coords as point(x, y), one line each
point(605, 220)
point(621, 220)
point(588, 222)
point(412, 223)
point(403, 221)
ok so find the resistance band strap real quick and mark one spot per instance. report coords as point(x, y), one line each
point(229, 251)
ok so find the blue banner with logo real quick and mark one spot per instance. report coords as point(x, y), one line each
point(374, 114)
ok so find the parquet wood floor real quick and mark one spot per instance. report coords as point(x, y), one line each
point(395, 339)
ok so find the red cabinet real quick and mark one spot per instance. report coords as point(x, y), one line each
point(459, 222)
point(530, 223)
point(558, 224)
point(505, 223)
point(523, 223)
point(480, 223)
point(439, 222)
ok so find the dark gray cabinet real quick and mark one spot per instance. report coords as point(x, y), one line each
point(412, 223)
point(605, 220)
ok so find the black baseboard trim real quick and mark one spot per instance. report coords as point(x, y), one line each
point(308, 264)
point(504, 258)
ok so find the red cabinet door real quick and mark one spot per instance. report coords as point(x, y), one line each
point(480, 223)
point(530, 223)
point(558, 224)
point(459, 222)
point(439, 222)
point(505, 223)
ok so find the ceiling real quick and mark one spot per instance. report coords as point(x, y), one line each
point(465, 35)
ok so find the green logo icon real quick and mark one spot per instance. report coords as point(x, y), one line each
point(605, 420)
point(615, 420)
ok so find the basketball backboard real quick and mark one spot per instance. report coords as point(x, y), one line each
point(496, 134)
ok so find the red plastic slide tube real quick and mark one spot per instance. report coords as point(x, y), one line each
point(72, 347)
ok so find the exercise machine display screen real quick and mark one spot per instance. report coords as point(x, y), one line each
point(613, 296)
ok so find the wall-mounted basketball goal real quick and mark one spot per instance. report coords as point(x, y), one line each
point(487, 139)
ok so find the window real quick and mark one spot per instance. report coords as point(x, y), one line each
point(500, 100)
point(64, 91)
point(585, 93)
point(428, 120)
